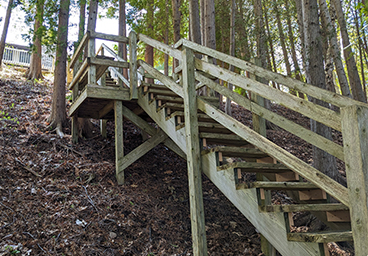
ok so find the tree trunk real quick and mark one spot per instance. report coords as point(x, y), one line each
point(272, 62)
point(148, 56)
point(203, 21)
point(58, 109)
point(358, 27)
point(166, 57)
point(316, 76)
point(210, 32)
point(232, 51)
point(355, 84)
point(82, 22)
point(300, 19)
point(335, 48)
point(5, 30)
point(194, 21)
point(35, 68)
point(292, 47)
point(122, 52)
point(176, 25)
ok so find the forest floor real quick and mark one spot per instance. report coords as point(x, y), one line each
point(57, 198)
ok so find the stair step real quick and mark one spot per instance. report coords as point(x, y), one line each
point(171, 105)
point(222, 139)
point(208, 127)
point(255, 167)
point(181, 100)
point(237, 152)
point(303, 208)
point(201, 116)
point(163, 91)
point(321, 237)
point(270, 185)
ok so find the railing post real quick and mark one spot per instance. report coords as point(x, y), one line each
point(193, 155)
point(133, 65)
point(119, 144)
point(103, 122)
point(92, 53)
point(355, 137)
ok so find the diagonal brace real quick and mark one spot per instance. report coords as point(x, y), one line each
point(141, 150)
point(144, 126)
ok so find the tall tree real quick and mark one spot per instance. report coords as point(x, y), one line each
point(354, 79)
point(35, 68)
point(5, 29)
point(176, 25)
point(232, 50)
point(58, 109)
point(194, 22)
point(316, 76)
point(149, 49)
point(334, 48)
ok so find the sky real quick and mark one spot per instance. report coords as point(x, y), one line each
point(17, 26)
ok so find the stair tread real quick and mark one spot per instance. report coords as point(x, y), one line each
point(223, 139)
point(237, 152)
point(251, 166)
point(321, 237)
point(277, 185)
point(303, 207)
point(199, 115)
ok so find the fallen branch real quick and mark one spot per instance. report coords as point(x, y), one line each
point(27, 168)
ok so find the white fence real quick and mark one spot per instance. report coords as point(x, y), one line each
point(23, 58)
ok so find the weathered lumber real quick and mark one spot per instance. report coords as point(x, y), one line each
point(79, 74)
point(160, 46)
point(133, 65)
point(322, 237)
point(119, 144)
point(355, 137)
point(314, 111)
point(161, 77)
point(79, 50)
point(108, 62)
point(303, 207)
point(318, 93)
point(298, 130)
point(193, 156)
point(141, 150)
point(105, 110)
point(237, 152)
point(121, 77)
point(321, 180)
point(274, 185)
point(144, 126)
point(108, 37)
point(254, 167)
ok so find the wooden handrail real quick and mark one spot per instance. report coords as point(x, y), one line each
point(109, 37)
point(112, 53)
point(81, 46)
point(318, 93)
point(121, 77)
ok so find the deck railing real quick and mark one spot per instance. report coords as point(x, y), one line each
point(13, 56)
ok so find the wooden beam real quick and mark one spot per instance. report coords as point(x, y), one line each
point(141, 150)
point(121, 77)
point(107, 62)
point(315, 176)
point(109, 37)
point(318, 93)
point(79, 74)
point(119, 144)
point(133, 65)
point(303, 208)
point(314, 111)
point(193, 156)
point(106, 109)
point(298, 130)
point(76, 103)
point(161, 77)
point(355, 137)
point(79, 50)
point(106, 92)
point(160, 46)
point(75, 132)
point(323, 237)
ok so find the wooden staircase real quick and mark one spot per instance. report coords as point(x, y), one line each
point(251, 171)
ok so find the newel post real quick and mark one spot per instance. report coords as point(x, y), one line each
point(355, 137)
point(133, 65)
point(92, 53)
point(193, 155)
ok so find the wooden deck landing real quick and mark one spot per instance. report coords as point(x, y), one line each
point(96, 101)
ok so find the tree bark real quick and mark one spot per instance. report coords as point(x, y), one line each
point(272, 60)
point(335, 48)
point(35, 68)
point(316, 76)
point(166, 36)
point(122, 52)
point(148, 56)
point(5, 30)
point(232, 51)
point(58, 109)
point(194, 21)
point(355, 84)
point(210, 32)
point(176, 25)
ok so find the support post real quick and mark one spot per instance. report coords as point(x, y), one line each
point(74, 117)
point(119, 144)
point(92, 53)
point(103, 122)
point(133, 65)
point(267, 248)
point(355, 137)
point(193, 155)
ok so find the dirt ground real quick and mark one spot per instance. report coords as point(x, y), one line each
point(57, 198)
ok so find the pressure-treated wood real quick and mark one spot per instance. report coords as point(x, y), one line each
point(141, 150)
point(133, 65)
point(272, 185)
point(193, 156)
point(119, 144)
point(303, 207)
point(355, 136)
point(318, 178)
point(108, 37)
point(254, 167)
point(298, 130)
point(322, 237)
point(79, 50)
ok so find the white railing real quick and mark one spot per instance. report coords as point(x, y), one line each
point(23, 58)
